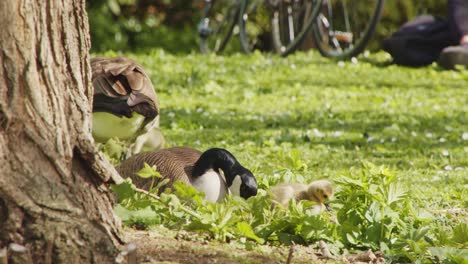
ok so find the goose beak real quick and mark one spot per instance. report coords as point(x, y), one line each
point(327, 206)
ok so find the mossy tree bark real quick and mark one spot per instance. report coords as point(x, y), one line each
point(55, 206)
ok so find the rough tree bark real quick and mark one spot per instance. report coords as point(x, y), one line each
point(53, 195)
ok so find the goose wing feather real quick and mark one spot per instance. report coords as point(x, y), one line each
point(173, 164)
point(124, 79)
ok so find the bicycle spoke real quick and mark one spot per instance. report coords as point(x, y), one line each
point(216, 27)
point(290, 24)
point(253, 24)
point(344, 27)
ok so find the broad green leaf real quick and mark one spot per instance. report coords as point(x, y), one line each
point(148, 172)
point(188, 192)
point(160, 184)
point(245, 229)
point(396, 193)
point(125, 190)
point(127, 215)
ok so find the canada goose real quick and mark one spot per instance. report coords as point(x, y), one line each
point(317, 191)
point(122, 88)
point(215, 172)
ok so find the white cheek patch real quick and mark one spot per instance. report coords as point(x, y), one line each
point(235, 186)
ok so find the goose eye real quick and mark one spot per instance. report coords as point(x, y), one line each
point(325, 196)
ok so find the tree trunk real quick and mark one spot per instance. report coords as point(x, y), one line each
point(55, 206)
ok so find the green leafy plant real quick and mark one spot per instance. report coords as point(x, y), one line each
point(374, 211)
point(373, 207)
point(303, 118)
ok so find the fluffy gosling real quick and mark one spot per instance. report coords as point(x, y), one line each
point(317, 191)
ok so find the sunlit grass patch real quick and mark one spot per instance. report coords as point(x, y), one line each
point(304, 118)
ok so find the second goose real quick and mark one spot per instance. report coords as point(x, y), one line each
point(125, 104)
point(215, 172)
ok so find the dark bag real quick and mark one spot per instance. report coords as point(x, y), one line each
point(420, 41)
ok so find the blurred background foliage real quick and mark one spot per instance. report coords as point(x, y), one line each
point(139, 25)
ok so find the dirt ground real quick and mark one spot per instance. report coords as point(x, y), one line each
point(165, 246)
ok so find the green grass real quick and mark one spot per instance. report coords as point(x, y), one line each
point(304, 117)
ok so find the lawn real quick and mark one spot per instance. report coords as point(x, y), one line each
point(393, 139)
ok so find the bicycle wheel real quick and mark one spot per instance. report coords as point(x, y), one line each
point(344, 27)
point(217, 24)
point(254, 25)
point(290, 22)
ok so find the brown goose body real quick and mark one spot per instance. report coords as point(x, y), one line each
point(122, 88)
point(215, 172)
point(173, 163)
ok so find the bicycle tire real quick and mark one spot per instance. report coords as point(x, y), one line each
point(282, 46)
point(275, 9)
point(217, 24)
point(322, 42)
point(250, 29)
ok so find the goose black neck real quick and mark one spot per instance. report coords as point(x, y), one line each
point(216, 159)
point(102, 103)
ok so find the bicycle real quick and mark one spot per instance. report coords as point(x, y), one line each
point(219, 19)
point(333, 23)
point(217, 24)
point(289, 21)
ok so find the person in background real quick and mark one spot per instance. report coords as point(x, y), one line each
point(458, 21)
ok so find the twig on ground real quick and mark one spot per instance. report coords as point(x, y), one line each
point(290, 255)
point(325, 252)
point(128, 255)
